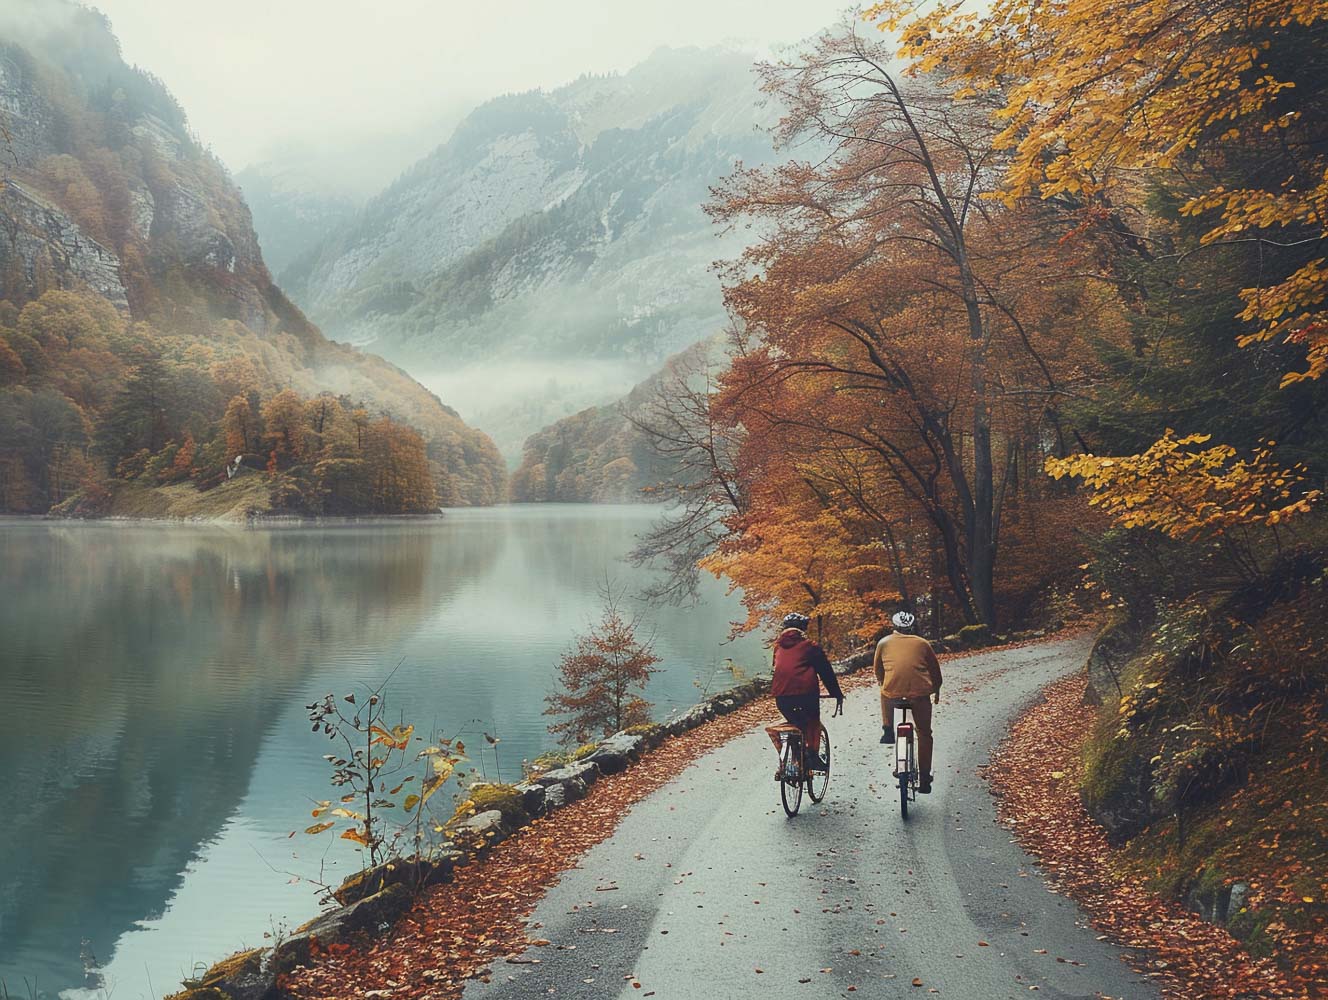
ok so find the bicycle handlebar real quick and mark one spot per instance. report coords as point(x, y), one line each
point(838, 708)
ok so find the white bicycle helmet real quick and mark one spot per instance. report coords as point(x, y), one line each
point(902, 620)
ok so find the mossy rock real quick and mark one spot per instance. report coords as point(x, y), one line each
point(584, 751)
point(550, 760)
point(507, 799)
point(975, 635)
point(240, 962)
point(646, 729)
point(241, 965)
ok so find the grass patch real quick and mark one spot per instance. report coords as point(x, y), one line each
point(235, 500)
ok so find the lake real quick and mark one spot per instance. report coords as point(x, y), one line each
point(156, 753)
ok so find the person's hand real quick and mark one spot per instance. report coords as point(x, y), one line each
point(936, 698)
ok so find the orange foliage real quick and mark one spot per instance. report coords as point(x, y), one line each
point(911, 344)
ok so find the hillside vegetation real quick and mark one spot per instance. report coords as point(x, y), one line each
point(606, 454)
point(135, 306)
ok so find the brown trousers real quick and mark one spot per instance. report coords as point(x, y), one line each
point(921, 708)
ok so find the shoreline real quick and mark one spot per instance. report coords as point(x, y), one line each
point(589, 803)
point(299, 521)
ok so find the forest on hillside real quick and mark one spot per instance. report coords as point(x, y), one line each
point(89, 401)
point(142, 341)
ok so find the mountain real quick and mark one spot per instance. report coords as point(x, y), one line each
point(602, 454)
point(554, 229)
point(306, 189)
point(290, 212)
point(129, 253)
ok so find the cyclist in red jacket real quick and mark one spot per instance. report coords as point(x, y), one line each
point(799, 663)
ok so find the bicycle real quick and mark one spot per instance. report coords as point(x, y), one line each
point(906, 761)
point(792, 775)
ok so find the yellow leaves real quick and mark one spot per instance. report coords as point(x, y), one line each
point(319, 827)
point(398, 738)
point(1186, 493)
point(1096, 90)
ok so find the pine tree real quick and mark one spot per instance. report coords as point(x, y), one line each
point(140, 414)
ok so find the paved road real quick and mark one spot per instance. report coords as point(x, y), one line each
point(706, 882)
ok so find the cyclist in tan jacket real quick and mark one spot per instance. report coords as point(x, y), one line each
point(908, 674)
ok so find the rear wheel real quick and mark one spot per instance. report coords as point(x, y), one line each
point(817, 781)
point(790, 789)
point(905, 777)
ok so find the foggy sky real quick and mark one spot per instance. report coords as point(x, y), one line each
point(257, 75)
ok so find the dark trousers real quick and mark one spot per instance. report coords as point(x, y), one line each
point(803, 711)
point(921, 710)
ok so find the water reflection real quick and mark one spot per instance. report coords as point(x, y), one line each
point(156, 678)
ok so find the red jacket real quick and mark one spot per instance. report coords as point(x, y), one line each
point(798, 664)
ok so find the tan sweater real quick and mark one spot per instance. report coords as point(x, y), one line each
point(906, 666)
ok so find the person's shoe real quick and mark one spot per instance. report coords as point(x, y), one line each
point(819, 764)
point(887, 734)
point(924, 786)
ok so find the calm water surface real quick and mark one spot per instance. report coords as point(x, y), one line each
point(155, 754)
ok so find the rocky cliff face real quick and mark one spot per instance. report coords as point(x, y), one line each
point(559, 225)
point(42, 245)
point(102, 186)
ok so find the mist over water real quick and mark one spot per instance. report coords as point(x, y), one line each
point(510, 401)
point(156, 678)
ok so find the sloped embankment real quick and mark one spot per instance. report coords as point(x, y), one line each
point(1205, 762)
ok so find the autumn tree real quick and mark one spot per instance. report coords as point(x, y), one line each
point(602, 679)
point(239, 427)
point(699, 448)
point(1209, 113)
point(12, 369)
point(1090, 91)
point(400, 480)
point(905, 333)
point(284, 423)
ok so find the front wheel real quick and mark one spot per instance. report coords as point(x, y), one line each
point(818, 781)
point(790, 789)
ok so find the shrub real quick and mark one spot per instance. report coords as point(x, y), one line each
point(550, 760)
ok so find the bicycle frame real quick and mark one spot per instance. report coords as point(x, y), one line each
point(794, 774)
